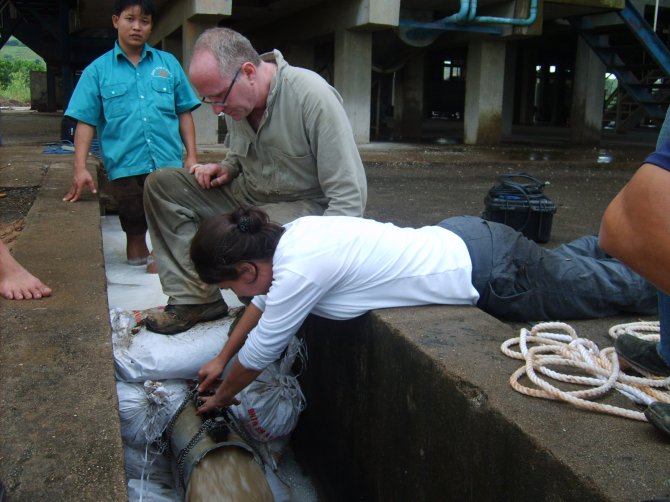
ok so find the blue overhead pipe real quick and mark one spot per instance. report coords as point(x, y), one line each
point(466, 20)
point(514, 21)
point(462, 14)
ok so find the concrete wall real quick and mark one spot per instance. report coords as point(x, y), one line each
point(414, 404)
point(39, 99)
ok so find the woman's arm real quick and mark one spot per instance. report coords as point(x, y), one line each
point(211, 371)
point(238, 378)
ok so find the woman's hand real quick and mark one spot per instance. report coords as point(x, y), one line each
point(210, 373)
point(218, 400)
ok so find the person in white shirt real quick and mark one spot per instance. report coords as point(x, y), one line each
point(340, 267)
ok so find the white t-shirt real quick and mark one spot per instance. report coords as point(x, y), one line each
point(340, 267)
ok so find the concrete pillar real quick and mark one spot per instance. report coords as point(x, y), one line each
point(509, 85)
point(527, 86)
point(353, 78)
point(175, 47)
point(484, 92)
point(52, 101)
point(66, 65)
point(587, 96)
point(206, 123)
point(408, 109)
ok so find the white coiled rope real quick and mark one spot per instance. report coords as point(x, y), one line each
point(544, 350)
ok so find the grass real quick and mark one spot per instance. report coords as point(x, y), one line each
point(18, 87)
point(14, 49)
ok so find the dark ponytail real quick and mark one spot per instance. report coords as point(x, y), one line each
point(225, 240)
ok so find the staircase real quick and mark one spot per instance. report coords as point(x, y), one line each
point(633, 52)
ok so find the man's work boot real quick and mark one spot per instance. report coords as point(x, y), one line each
point(177, 318)
point(641, 355)
point(659, 415)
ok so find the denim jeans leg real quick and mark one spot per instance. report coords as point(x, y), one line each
point(573, 281)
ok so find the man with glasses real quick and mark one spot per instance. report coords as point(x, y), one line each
point(291, 151)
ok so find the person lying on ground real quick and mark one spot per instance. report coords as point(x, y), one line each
point(341, 267)
point(635, 228)
point(291, 151)
point(16, 283)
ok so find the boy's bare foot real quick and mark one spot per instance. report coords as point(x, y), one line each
point(16, 283)
point(137, 251)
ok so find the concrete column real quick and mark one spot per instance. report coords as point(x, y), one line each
point(206, 123)
point(175, 47)
point(66, 65)
point(484, 92)
point(52, 99)
point(587, 96)
point(353, 78)
point(408, 111)
point(509, 86)
point(527, 86)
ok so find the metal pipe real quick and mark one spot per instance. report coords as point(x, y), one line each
point(466, 20)
point(211, 470)
point(514, 21)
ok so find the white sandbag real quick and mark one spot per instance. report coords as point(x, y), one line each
point(140, 354)
point(150, 491)
point(280, 490)
point(146, 408)
point(270, 406)
point(147, 463)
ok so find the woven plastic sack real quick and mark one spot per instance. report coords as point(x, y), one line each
point(271, 405)
point(150, 491)
point(145, 409)
point(140, 354)
point(146, 463)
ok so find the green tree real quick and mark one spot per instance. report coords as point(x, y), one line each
point(15, 78)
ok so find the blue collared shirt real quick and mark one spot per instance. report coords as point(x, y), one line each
point(135, 109)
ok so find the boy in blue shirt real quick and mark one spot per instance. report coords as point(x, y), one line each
point(140, 101)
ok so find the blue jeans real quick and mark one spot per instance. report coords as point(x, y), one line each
point(518, 279)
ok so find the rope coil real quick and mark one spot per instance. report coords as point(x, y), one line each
point(545, 350)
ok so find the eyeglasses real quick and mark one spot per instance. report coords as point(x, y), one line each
point(207, 101)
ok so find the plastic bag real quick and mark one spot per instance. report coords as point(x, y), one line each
point(140, 354)
point(145, 409)
point(148, 464)
point(270, 406)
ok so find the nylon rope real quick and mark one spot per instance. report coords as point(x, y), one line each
point(549, 346)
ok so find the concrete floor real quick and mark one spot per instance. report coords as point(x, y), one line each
point(58, 439)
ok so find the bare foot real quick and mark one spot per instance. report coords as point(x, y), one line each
point(152, 267)
point(137, 251)
point(16, 283)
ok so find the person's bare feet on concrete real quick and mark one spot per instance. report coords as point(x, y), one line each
point(16, 283)
point(137, 251)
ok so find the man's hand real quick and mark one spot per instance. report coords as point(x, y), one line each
point(82, 178)
point(211, 175)
point(189, 162)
